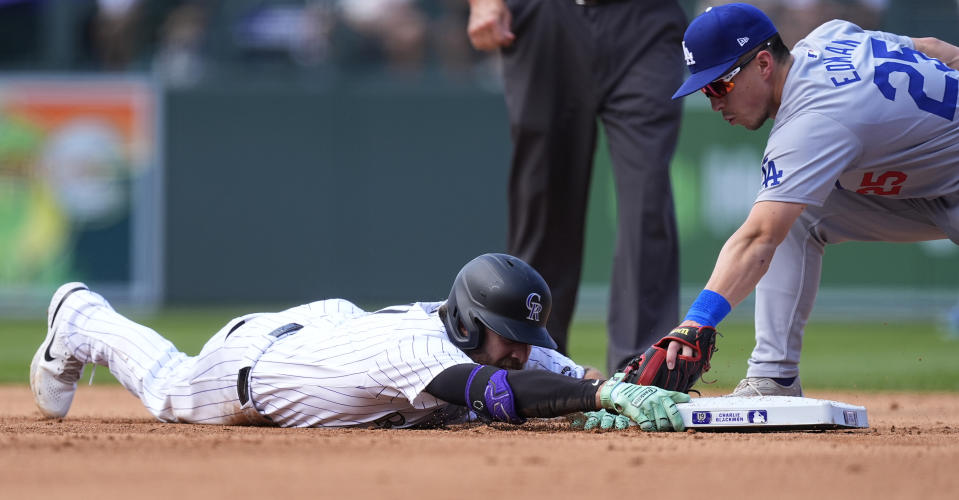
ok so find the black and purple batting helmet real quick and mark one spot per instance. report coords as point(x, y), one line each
point(502, 293)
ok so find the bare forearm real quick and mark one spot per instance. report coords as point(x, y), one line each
point(746, 255)
point(742, 262)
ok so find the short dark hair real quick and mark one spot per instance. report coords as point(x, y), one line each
point(774, 45)
point(778, 48)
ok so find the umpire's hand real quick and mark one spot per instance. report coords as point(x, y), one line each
point(489, 25)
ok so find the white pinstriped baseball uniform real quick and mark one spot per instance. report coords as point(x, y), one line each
point(343, 367)
point(867, 136)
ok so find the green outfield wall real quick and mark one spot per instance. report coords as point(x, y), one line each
point(380, 194)
point(374, 193)
point(378, 191)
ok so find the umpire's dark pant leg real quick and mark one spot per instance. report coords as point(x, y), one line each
point(551, 101)
point(644, 41)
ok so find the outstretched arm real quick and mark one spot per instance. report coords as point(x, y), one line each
point(531, 393)
point(514, 395)
point(745, 257)
point(742, 262)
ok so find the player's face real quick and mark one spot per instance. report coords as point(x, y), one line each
point(500, 352)
point(745, 103)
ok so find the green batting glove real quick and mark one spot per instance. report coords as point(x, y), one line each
point(654, 409)
point(601, 419)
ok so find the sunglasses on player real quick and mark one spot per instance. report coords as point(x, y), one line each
point(725, 85)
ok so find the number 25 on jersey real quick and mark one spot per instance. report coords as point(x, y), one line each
point(887, 183)
point(906, 61)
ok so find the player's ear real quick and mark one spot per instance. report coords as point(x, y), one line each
point(766, 64)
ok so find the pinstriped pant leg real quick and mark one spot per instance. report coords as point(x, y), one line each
point(135, 354)
point(172, 386)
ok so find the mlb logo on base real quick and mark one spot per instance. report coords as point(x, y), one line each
point(758, 417)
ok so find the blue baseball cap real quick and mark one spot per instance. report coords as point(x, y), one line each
point(717, 38)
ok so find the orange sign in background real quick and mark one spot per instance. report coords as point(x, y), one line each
point(78, 186)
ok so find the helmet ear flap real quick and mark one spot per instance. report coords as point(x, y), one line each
point(455, 323)
point(474, 331)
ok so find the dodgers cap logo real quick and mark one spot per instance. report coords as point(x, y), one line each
point(717, 38)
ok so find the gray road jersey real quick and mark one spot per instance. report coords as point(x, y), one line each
point(865, 112)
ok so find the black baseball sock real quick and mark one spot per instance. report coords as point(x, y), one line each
point(785, 381)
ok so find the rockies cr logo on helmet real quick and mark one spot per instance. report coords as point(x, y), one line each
point(532, 303)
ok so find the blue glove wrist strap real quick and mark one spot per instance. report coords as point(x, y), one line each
point(709, 309)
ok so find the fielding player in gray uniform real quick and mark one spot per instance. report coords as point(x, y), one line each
point(865, 147)
point(331, 364)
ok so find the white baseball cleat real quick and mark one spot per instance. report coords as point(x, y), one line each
point(765, 386)
point(54, 371)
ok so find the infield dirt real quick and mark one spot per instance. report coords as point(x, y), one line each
point(110, 448)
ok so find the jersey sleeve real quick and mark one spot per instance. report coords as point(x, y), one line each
point(408, 366)
point(892, 37)
point(541, 358)
point(805, 157)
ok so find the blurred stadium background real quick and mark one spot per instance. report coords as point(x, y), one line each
point(225, 156)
